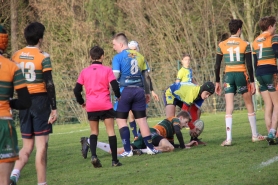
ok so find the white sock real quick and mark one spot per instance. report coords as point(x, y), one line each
point(253, 124)
point(16, 174)
point(229, 121)
point(273, 131)
point(42, 183)
point(104, 146)
point(88, 141)
point(144, 151)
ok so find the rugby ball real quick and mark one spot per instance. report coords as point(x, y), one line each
point(200, 125)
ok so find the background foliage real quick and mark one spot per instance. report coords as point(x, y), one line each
point(164, 29)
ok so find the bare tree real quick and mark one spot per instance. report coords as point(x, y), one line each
point(14, 26)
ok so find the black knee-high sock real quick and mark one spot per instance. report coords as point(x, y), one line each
point(93, 144)
point(113, 147)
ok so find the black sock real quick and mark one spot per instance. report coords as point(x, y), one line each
point(93, 144)
point(113, 147)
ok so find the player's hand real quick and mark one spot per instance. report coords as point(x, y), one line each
point(155, 96)
point(193, 132)
point(83, 105)
point(191, 143)
point(253, 88)
point(148, 98)
point(53, 116)
point(217, 88)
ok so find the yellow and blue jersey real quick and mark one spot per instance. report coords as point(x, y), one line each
point(130, 64)
point(185, 75)
point(187, 93)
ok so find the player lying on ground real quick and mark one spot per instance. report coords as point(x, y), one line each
point(162, 137)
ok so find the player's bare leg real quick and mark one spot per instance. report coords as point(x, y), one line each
point(24, 154)
point(268, 108)
point(165, 146)
point(247, 97)
point(274, 118)
point(5, 172)
point(41, 157)
point(170, 110)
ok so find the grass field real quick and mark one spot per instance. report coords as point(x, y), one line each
point(243, 163)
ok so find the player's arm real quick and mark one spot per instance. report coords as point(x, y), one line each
point(155, 96)
point(248, 60)
point(116, 74)
point(23, 101)
point(275, 50)
point(217, 73)
point(217, 67)
point(115, 86)
point(147, 82)
point(77, 93)
point(255, 60)
point(179, 135)
point(116, 66)
point(50, 88)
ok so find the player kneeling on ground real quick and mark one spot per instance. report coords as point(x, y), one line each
point(189, 97)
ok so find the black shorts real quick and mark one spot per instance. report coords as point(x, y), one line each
point(101, 115)
point(34, 121)
point(156, 140)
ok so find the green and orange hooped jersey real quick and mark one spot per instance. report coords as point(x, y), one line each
point(233, 50)
point(165, 128)
point(11, 78)
point(262, 47)
point(33, 63)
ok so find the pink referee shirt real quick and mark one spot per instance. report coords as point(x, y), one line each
point(96, 79)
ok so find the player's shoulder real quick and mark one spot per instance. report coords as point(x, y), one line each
point(275, 37)
point(45, 54)
point(118, 56)
point(106, 68)
point(8, 62)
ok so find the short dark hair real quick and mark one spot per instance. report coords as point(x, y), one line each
point(184, 114)
point(186, 55)
point(33, 33)
point(267, 21)
point(96, 52)
point(234, 25)
point(121, 37)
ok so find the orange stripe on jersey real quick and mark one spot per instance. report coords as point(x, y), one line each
point(235, 68)
point(161, 130)
point(33, 63)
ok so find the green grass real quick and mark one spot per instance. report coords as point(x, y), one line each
point(211, 164)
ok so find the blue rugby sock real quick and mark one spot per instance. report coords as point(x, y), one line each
point(133, 128)
point(148, 141)
point(125, 136)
